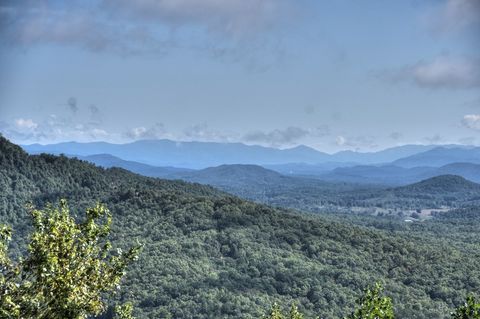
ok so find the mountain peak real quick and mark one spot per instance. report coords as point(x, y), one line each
point(443, 184)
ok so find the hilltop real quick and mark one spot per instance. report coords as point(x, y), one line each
point(236, 175)
point(443, 184)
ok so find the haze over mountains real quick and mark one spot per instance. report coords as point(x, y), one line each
point(169, 159)
point(206, 154)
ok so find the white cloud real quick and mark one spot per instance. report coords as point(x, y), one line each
point(285, 137)
point(471, 121)
point(54, 128)
point(28, 124)
point(96, 133)
point(157, 131)
point(442, 72)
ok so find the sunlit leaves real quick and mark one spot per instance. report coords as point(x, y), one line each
point(69, 269)
point(469, 310)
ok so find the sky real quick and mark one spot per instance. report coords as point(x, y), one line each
point(332, 75)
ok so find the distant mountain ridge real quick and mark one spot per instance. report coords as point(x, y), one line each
point(396, 175)
point(185, 154)
point(270, 187)
point(168, 159)
point(442, 184)
point(245, 175)
point(440, 156)
point(206, 154)
point(108, 161)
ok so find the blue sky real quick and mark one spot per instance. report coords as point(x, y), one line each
point(361, 75)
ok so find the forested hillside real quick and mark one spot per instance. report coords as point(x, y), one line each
point(269, 187)
point(211, 255)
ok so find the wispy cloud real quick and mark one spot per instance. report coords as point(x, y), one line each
point(52, 129)
point(197, 132)
point(434, 139)
point(156, 131)
point(443, 72)
point(70, 121)
point(471, 121)
point(356, 142)
point(285, 137)
point(457, 16)
point(396, 136)
point(235, 18)
point(234, 28)
point(28, 124)
point(202, 132)
point(460, 18)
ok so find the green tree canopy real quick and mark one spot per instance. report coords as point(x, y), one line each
point(69, 269)
point(469, 310)
point(373, 305)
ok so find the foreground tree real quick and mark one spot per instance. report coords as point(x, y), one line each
point(469, 310)
point(69, 268)
point(276, 313)
point(373, 305)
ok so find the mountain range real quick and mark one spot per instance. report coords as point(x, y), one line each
point(187, 161)
point(397, 175)
point(206, 154)
point(207, 254)
point(108, 161)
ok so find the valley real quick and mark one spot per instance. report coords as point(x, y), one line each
point(406, 193)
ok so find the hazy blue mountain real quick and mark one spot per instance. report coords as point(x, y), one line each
point(207, 154)
point(312, 170)
point(186, 154)
point(435, 192)
point(242, 178)
point(396, 175)
point(107, 161)
point(235, 175)
point(384, 156)
point(270, 187)
point(387, 174)
point(443, 184)
point(441, 156)
point(263, 185)
point(469, 171)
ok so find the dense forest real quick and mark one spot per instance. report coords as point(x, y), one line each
point(209, 254)
point(309, 194)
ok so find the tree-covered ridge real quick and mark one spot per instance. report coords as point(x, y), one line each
point(310, 194)
point(69, 270)
point(210, 255)
point(375, 305)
